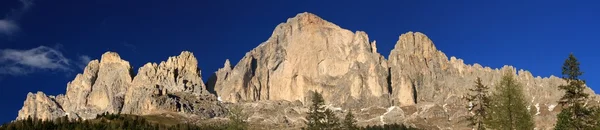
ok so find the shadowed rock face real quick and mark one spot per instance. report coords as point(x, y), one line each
point(171, 86)
point(107, 86)
point(419, 85)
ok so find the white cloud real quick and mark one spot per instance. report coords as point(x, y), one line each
point(14, 70)
point(83, 61)
point(22, 62)
point(8, 25)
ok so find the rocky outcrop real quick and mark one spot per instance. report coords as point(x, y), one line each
point(410, 61)
point(171, 86)
point(174, 86)
point(41, 106)
point(422, 74)
point(417, 85)
point(101, 88)
point(76, 97)
point(108, 91)
point(306, 54)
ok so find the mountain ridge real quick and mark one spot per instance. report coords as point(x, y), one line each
point(416, 84)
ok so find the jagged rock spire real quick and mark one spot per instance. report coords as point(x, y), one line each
point(107, 86)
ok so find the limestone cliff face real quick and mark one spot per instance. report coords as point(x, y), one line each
point(41, 106)
point(411, 61)
point(114, 78)
point(417, 85)
point(304, 54)
point(171, 86)
point(421, 74)
point(174, 86)
point(76, 97)
point(101, 88)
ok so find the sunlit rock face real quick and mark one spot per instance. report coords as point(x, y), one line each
point(421, 74)
point(306, 54)
point(418, 86)
point(101, 88)
point(174, 86)
point(41, 106)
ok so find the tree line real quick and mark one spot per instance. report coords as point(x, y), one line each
point(107, 121)
point(102, 122)
point(506, 108)
point(321, 118)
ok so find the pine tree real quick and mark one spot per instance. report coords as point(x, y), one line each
point(314, 116)
point(479, 102)
point(575, 115)
point(236, 118)
point(349, 122)
point(508, 108)
point(564, 120)
point(320, 117)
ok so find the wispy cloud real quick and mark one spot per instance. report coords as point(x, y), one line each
point(22, 62)
point(8, 25)
point(83, 61)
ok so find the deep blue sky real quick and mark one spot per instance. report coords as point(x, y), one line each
point(534, 35)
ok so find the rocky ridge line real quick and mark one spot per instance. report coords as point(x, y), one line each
point(417, 85)
point(174, 86)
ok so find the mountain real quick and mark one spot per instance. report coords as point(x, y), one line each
point(418, 85)
point(110, 86)
point(306, 54)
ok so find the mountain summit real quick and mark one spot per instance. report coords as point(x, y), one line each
point(418, 85)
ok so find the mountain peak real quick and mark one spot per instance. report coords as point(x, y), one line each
point(112, 57)
point(306, 19)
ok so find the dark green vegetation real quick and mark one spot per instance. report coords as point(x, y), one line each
point(349, 122)
point(102, 122)
point(480, 102)
point(508, 107)
point(321, 118)
point(505, 109)
point(575, 115)
point(389, 127)
point(127, 122)
point(236, 119)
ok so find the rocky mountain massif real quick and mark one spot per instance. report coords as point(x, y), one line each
point(108, 85)
point(417, 85)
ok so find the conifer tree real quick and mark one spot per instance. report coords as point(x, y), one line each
point(320, 117)
point(575, 115)
point(349, 122)
point(478, 105)
point(236, 118)
point(508, 107)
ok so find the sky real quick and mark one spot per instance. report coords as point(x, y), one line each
point(45, 43)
